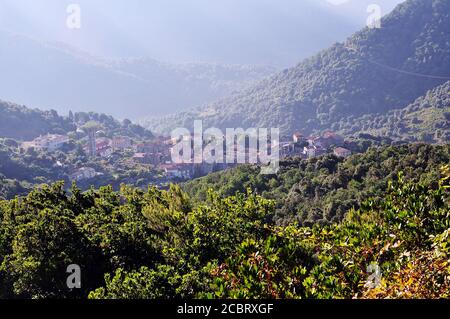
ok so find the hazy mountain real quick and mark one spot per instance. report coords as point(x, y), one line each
point(57, 76)
point(269, 32)
point(375, 70)
point(40, 71)
point(190, 83)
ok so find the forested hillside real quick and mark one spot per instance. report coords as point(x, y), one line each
point(427, 119)
point(22, 123)
point(323, 189)
point(374, 71)
point(159, 244)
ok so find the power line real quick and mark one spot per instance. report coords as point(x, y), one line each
point(409, 73)
point(403, 71)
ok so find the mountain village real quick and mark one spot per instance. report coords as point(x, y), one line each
point(156, 153)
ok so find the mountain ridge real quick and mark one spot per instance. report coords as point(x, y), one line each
point(427, 119)
point(343, 80)
point(116, 86)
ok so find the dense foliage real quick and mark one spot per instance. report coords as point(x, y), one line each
point(427, 119)
point(323, 189)
point(160, 244)
point(110, 126)
point(19, 172)
point(20, 122)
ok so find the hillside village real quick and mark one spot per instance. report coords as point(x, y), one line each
point(155, 154)
point(98, 208)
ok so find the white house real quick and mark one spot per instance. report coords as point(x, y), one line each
point(49, 142)
point(106, 152)
point(121, 142)
point(82, 174)
point(177, 171)
point(309, 151)
point(342, 152)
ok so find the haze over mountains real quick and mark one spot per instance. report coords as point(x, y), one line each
point(56, 76)
point(188, 52)
point(374, 71)
point(267, 32)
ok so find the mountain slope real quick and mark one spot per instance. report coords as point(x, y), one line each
point(63, 78)
point(426, 119)
point(22, 123)
point(374, 71)
point(154, 244)
point(323, 189)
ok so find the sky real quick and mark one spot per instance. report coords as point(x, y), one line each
point(273, 32)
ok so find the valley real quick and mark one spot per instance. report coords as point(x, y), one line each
point(100, 173)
